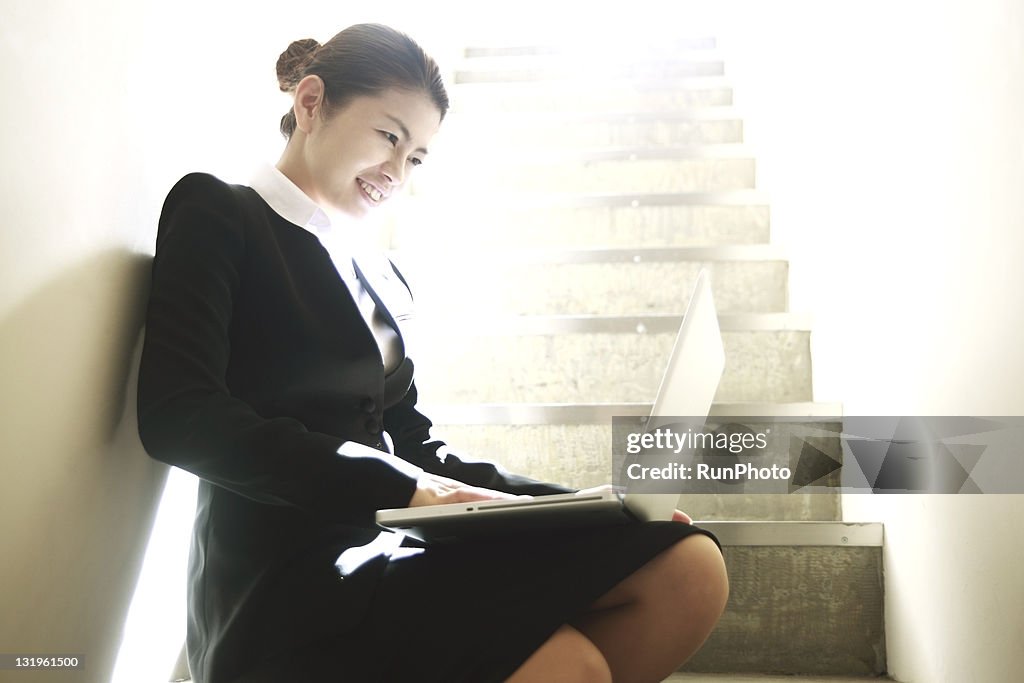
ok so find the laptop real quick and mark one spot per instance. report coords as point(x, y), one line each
point(687, 388)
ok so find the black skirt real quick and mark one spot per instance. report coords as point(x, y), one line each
point(473, 613)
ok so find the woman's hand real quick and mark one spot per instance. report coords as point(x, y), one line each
point(432, 489)
point(677, 516)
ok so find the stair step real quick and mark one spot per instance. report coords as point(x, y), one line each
point(462, 367)
point(580, 155)
point(652, 96)
point(589, 62)
point(832, 534)
point(511, 202)
point(602, 413)
point(597, 282)
point(706, 174)
point(581, 456)
point(674, 46)
point(563, 129)
point(766, 678)
point(802, 600)
point(740, 253)
point(583, 68)
point(621, 324)
point(476, 225)
point(576, 116)
point(535, 438)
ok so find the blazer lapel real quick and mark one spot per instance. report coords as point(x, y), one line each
point(384, 310)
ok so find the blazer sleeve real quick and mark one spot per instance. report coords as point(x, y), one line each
point(187, 415)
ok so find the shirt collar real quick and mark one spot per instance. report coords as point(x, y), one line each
point(288, 201)
point(295, 206)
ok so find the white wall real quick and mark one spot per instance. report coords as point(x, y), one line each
point(77, 493)
point(888, 136)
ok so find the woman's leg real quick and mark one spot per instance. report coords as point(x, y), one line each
point(660, 615)
point(645, 627)
point(568, 656)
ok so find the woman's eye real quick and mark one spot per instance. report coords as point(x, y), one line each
point(415, 162)
point(391, 137)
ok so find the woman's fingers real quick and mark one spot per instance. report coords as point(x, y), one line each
point(598, 489)
point(434, 490)
point(677, 516)
point(465, 494)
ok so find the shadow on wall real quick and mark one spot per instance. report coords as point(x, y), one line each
point(79, 492)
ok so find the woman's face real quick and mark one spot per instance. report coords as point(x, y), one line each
point(364, 151)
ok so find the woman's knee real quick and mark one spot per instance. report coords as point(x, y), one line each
point(567, 656)
point(694, 571)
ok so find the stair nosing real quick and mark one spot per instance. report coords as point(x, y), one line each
point(526, 256)
point(531, 74)
point(602, 413)
point(521, 118)
point(536, 200)
point(523, 325)
point(717, 151)
point(646, 83)
point(540, 156)
point(796, 533)
point(584, 56)
point(547, 62)
point(555, 47)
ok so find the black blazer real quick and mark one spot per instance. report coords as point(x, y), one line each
point(257, 367)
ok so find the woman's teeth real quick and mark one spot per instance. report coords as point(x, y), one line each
point(372, 191)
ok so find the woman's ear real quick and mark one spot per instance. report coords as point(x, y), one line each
point(309, 99)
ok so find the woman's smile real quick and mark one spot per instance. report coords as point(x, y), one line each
point(370, 191)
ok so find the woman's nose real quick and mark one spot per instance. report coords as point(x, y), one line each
point(394, 171)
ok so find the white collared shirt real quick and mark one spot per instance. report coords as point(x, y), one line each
point(296, 207)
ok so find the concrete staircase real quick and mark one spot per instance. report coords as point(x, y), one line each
point(554, 237)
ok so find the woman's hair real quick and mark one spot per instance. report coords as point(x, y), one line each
point(364, 59)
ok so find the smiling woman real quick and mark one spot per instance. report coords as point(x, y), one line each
point(275, 369)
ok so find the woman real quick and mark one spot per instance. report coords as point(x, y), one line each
point(274, 369)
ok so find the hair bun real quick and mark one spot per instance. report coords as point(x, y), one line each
point(293, 62)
